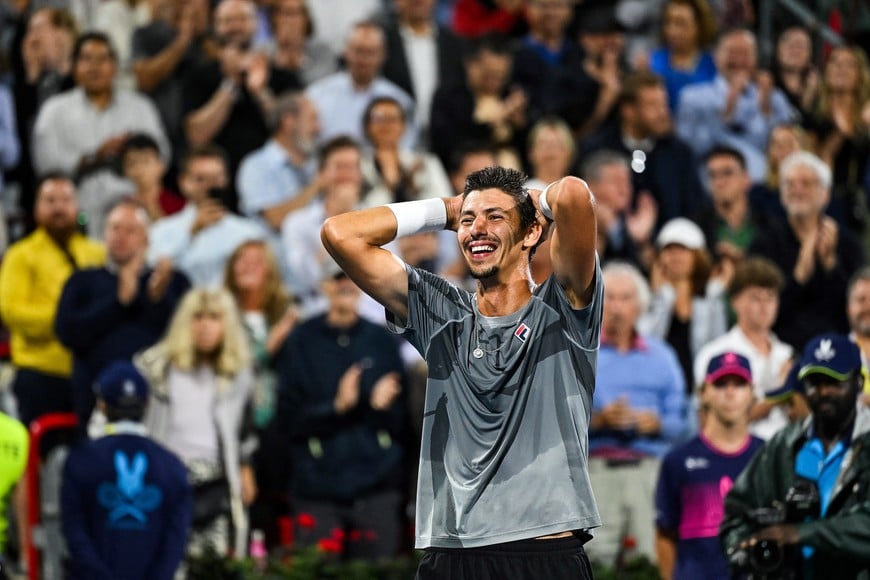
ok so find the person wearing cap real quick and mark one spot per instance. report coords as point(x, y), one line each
point(696, 475)
point(828, 456)
point(343, 408)
point(688, 305)
point(817, 256)
point(125, 500)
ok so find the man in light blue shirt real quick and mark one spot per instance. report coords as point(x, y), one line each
point(341, 98)
point(638, 413)
point(279, 178)
point(737, 108)
point(200, 238)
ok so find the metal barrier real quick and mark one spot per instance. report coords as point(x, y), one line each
point(39, 428)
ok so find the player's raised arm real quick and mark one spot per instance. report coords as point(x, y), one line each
point(355, 238)
point(570, 205)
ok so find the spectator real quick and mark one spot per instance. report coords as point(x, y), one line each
point(10, 147)
point(688, 32)
point(253, 278)
point(754, 291)
point(42, 68)
point(341, 98)
point(548, 66)
point(661, 163)
point(475, 18)
point(82, 131)
point(229, 102)
point(858, 311)
point(343, 404)
point(14, 443)
point(551, 152)
point(32, 277)
point(484, 108)
point(738, 108)
point(204, 363)
point(688, 306)
point(817, 256)
point(110, 313)
point(141, 164)
point(119, 19)
point(839, 130)
point(393, 172)
point(783, 141)
point(421, 55)
point(167, 51)
point(696, 476)
point(734, 221)
point(297, 48)
point(636, 417)
point(824, 458)
point(793, 70)
point(200, 238)
point(602, 41)
point(342, 190)
point(280, 177)
point(334, 19)
point(624, 232)
point(125, 500)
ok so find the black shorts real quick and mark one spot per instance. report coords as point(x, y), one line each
point(555, 559)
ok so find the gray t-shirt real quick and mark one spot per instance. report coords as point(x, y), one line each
point(505, 436)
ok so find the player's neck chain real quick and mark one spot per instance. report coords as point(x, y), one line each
point(479, 351)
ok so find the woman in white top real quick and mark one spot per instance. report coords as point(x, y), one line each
point(204, 364)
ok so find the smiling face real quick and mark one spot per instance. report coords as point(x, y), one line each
point(490, 235)
point(858, 307)
point(802, 193)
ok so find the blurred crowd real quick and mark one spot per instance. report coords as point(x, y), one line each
point(167, 164)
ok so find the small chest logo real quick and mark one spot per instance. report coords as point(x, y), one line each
point(522, 332)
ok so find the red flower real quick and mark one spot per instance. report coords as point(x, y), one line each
point(370, 535)
point(329, 545)
point(629, 543)
point(306, 521)
point(337, 534)
point(355, 535)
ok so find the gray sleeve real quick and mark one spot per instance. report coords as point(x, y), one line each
point(432, 303)
point(583, 326)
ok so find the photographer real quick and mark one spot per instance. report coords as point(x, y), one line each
point(803, 503)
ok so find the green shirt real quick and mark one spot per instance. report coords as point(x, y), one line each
point(13, 459)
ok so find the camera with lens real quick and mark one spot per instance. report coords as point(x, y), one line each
point(766, 559)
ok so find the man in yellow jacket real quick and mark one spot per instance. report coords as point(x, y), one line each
point(32, 276)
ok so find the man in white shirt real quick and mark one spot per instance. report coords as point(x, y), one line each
point(82, 131)
point(200, 238)
point(754, 291)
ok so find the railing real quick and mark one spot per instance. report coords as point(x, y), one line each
point(39, 428)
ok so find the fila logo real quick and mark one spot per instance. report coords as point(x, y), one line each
point(522, 332)
point(826, 351)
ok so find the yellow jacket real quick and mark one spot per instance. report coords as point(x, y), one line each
point(32, 277)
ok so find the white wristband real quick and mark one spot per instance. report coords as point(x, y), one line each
point(544, 205)
point(414, 217)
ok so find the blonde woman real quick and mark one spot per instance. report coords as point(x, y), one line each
point(204, 363)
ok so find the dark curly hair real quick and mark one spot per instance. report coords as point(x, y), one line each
point(511, 182)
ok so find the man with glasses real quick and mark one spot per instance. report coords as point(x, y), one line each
point(826, 462)
point(696, 475)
